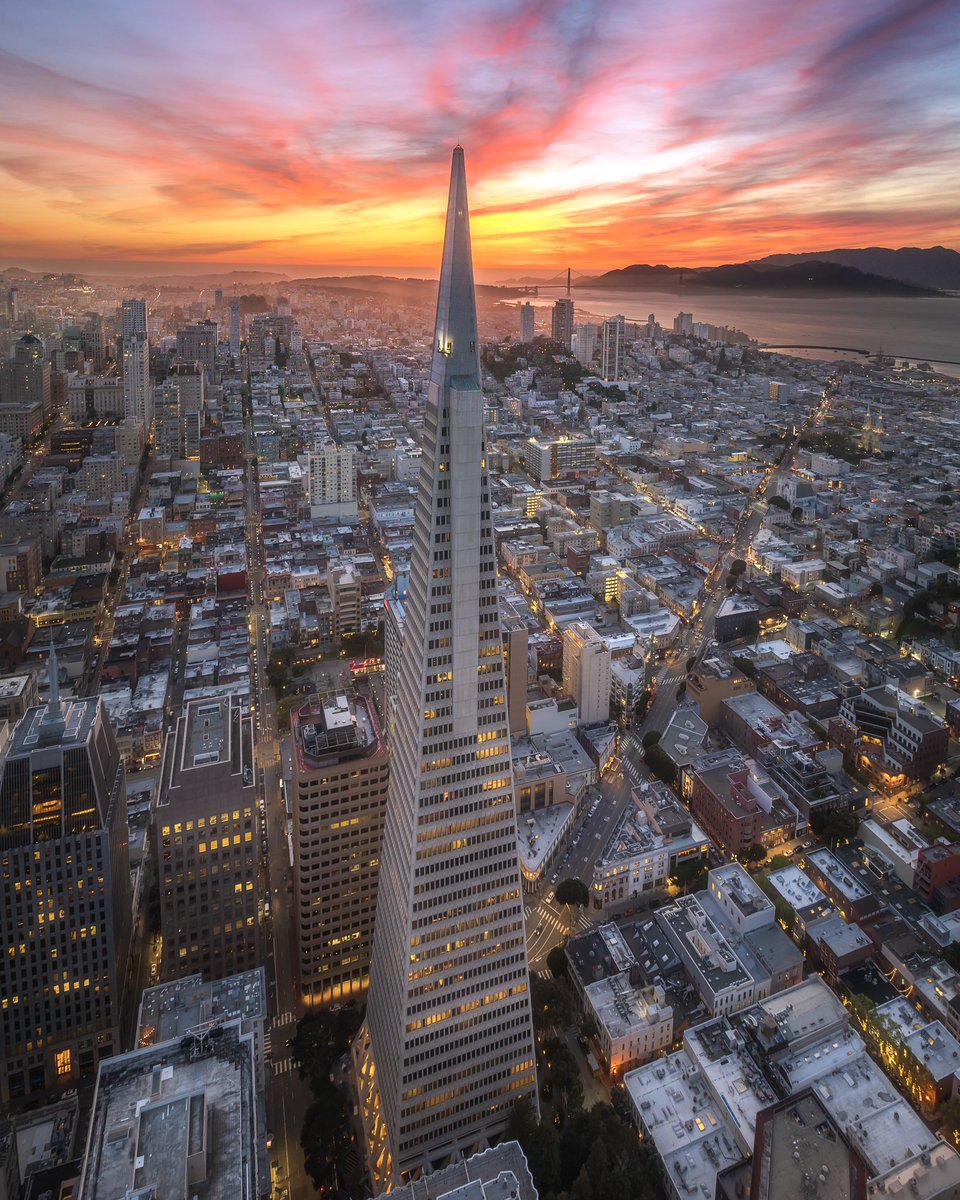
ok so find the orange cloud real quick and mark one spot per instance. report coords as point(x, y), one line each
point(597, 135)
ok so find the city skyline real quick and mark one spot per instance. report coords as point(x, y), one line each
point(710, 134)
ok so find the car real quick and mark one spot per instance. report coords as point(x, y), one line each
point(549, 896)
point(797, 850)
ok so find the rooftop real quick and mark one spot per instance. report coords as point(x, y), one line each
point(840, 876)
point(210, 755)
point(928, 1174)
point(622, 1008)
point(169, 1010)
point(334, 726)
point(693, 1133)
point(796, 888)
point(500, 1173)
point(178, 1118)
point(804, 1153)
point(709, 951)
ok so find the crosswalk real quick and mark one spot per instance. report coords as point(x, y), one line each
point(582, 921)
point(283, 1063)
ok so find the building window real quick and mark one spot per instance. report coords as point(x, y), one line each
point(64, 1066)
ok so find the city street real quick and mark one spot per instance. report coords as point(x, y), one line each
point(288, 1097)
point(549, 924)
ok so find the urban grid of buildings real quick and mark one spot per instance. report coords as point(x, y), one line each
point(362, 676)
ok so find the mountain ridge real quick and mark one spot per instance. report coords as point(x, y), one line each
point(804, 276)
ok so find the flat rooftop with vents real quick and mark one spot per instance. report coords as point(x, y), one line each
point(178, 1120)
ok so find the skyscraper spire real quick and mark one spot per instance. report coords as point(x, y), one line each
point(52, 722)
point(456, 354)
point(447, 1046)
point(53, 677)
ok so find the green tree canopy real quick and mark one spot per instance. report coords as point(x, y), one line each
point(557, 962)
point(573, 891)
point(661, 764)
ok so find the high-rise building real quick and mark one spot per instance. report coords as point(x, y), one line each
point(235, 328)
point(527, 326)
point(340, 773)
point(178, 407)
point(65, 920)
point(562, 321)
point(103, 476)
point(516, 645)
point(346, 591)
point(135, 363)
point(94, 341)
point(394, 614)
point(585, 343)
point(683, 324)
point(447, 1045)
point(133, 317)
point(198, 344)
point(25, 378)
point(207, 848)
point(611, 350)
point(330, 480)
point(13, 305)
point(586, 672)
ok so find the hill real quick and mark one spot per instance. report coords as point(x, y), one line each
point(808, 277)
point(934, 267)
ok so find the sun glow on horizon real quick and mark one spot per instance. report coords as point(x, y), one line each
point(706, 134)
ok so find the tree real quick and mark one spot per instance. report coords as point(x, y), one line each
point(778, 863)
point(557, 962)
point(598, 1154)
point(838, 826)
point(551, 1004)
point(661, 764)
point(572, 891)
point(621, 1104)
point(650, 738)
point(738, 566)
point(691, 876)
point(950, 1117)
point(754, 853)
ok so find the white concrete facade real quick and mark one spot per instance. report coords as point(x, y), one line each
point(447, 1046)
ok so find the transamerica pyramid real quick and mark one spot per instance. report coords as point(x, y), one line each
point(447, 1045)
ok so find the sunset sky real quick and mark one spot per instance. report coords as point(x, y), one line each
point(597, 133)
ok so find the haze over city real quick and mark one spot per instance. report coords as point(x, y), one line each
point(600, 134)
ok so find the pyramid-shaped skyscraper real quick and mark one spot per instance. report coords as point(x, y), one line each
point(447, 1047)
